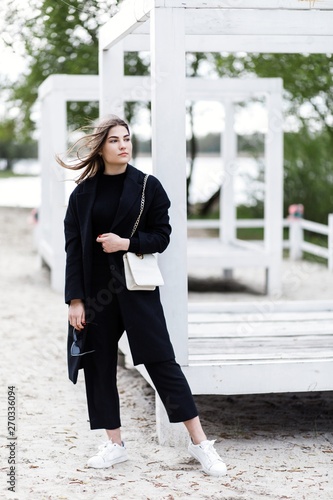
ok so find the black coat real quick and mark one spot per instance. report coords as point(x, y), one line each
point(142, 311)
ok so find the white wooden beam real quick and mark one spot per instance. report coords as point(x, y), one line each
point(240, 22)
point(261, 378)
point(289, 44)
point(169, 161)
point(252, 4)
point(229, 155)
point(73, 87)
point(137, 88)
point(132, 13)
point(273, 207)
point(111, 70)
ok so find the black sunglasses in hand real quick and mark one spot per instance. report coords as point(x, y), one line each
point(75, 347)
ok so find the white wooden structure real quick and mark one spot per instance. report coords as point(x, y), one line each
point(226, 251)
point(211, 344)
point(168, 28)
point(53, 94)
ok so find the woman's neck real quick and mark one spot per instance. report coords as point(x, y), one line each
point(114, 169)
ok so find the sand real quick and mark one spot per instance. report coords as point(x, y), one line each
point(275, 446)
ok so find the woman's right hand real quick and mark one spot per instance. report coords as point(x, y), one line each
point(76, 314)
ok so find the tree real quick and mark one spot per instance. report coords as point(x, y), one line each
point(309, 173)
point(60, 37)
point(308, 151)
point(10, 148)
point(7, 147)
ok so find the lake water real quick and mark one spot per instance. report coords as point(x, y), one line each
point(208, 174)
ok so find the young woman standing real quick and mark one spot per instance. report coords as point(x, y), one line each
point(101, 213)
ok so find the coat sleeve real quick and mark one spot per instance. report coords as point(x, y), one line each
point(153, 234)
point(74, 284)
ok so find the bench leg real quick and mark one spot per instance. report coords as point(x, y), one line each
point(169, 434)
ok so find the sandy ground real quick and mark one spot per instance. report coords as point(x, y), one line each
point(275, 446)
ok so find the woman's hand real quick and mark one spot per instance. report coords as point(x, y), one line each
point(111, 242)
point(76, 314)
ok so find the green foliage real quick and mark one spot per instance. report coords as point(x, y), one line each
point(61, 37)
point(309, 173)
point(10, 148)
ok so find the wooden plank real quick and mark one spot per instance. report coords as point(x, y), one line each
point(289, 44)
point(139, 40)
point(130, 16)
point(260, 346)
point(258, 22)
point(257, 358)
point(73, 87)
point(252, 4)
point(269, 315)
point(314, 249)
point(259, 329)
point(273, 376)
point(307, 306)
point(316, 227)
point(211, 252)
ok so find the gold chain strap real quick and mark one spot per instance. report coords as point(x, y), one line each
point(142, 205)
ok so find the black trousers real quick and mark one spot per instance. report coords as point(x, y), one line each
point(100, 372)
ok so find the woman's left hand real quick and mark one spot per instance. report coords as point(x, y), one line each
point(111, 242)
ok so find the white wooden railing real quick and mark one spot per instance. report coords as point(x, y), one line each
point(295, 243)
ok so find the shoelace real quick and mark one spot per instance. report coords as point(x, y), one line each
point(102, 447)
point(210, 451)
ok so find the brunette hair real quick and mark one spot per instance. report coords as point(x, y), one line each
point(87, 148)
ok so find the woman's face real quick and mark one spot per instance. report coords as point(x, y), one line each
point(117, 148)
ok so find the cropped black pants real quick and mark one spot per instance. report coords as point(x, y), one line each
point(100, 372)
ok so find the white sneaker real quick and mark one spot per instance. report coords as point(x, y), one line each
point(108, 454)
point(210, 460)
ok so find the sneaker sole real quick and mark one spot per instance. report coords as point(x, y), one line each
point(207, 471)
point(106, 466)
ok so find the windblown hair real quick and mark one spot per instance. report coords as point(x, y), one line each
point(87, 148)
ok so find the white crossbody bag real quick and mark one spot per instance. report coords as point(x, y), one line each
point(141, 270)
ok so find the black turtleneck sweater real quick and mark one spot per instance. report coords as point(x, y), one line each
point(109, 190)
point(104, 210)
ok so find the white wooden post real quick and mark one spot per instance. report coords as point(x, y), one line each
point(169, 160)
point(111, 81)
point(169, 165)
point(169, 434)
point(295, 238)
point(227, 197)
point(53, 202)
point(330, 242)
point(274, 191)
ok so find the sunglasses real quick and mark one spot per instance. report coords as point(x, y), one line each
point(75, 348)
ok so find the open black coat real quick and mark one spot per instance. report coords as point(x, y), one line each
point(142, 311)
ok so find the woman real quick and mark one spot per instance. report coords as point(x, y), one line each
point(101, 213)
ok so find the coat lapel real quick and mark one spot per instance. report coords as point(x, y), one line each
point(85, 201)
